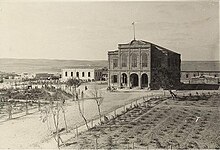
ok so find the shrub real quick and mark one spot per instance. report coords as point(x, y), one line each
point(116, 135)
point(125, 141)
point(110, 142)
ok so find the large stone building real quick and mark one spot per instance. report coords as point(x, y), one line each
point(143, 64)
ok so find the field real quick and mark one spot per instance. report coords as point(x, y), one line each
point(159, 123)
point(28, 131)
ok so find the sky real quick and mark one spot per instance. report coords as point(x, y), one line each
point(88, 30)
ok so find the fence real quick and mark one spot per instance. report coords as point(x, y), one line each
point(137, 101)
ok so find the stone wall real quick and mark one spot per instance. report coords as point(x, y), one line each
point(186, 76)
point(165, 68)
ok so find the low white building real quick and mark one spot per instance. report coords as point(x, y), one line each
point(26, 75)
point(85, 74)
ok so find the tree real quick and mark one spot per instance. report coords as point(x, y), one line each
point(9, 110)
point(53, 112)
point(98, 99)
point(82, 114)
point(75, 83)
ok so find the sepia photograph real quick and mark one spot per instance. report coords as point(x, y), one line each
point(115, 74)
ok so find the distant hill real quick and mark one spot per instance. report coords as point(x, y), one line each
point(45, 65)
point(53, 66)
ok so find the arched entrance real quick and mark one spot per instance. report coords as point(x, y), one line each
point(144, 80)
point(134, 79)
point(124, 79)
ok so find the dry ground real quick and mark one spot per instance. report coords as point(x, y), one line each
point(159, 123)
point(28, 131)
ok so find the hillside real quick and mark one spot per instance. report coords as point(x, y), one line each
point(45, 65)
point(52, 66)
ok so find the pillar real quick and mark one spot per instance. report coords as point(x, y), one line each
point(139, 80)
point(109, 79)
point(119, 80)
point(128, 81)
point(109, 67)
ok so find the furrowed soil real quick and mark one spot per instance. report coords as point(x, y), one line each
point(158, 123)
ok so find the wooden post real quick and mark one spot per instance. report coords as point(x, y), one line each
point(92, 123)
point(124, 108)
point(96, 143)
point(132, 145)
point(115, 113)
point(26, 107)
point(136, 102)
point(39, 106)
point(9, 111)
point(76, 131)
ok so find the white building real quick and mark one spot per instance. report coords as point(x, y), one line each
point(26, 75)
point(85, 74)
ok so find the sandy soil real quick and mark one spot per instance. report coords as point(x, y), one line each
point(29, 131)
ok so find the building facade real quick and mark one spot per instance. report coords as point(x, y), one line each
point(142, 64)
point(198, 77)
point(85, 74)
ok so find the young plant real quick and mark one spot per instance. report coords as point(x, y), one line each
point(53, 112)
point(82, 114)
point(98, 99)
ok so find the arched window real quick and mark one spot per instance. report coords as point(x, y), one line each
point(115, 63)
point(134, 60)
point(144, 60)
point(124, 60)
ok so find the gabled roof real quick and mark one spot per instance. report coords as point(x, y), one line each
point(142, 43)
point(200, 66)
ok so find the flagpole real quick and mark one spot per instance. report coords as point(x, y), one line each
point(133, 23)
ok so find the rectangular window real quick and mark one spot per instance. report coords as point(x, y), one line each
point(71, 74)
point(66, 74)
point(88, 74)
point(115, 79)
point(115, 63)
point(83, 74)
point(187, 76)
point(77, 74)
